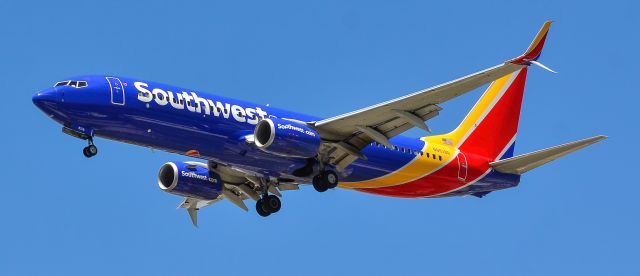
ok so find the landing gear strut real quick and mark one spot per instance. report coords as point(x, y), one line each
point(268, 205)
point(325, 180)
point(91, 150)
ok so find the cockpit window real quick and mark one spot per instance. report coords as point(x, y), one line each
point(76, 84)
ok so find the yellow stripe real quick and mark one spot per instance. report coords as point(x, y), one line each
point(469, 122)
point(419, 166)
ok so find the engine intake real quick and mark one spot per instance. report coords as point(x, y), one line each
point(286, 138)
point(182, 179)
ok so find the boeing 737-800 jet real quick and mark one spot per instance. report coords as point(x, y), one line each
point(255, 151)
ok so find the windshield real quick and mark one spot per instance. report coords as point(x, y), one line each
point(72, 83)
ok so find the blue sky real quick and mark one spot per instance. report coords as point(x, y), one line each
point(63, 214)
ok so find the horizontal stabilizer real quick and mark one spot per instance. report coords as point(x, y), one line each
point(526, 162)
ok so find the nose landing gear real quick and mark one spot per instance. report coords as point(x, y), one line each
point(83, 133)
point(91, 150)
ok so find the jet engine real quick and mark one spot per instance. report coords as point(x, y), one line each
point(187, 180)
point(286, 138)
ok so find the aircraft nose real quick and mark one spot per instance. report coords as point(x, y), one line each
point(49, 95)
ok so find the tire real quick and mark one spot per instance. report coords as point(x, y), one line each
point(330, 179)
point(92, 149)
point(86, 152)
point(319, 184)
point(272, 203)
point(260, 208)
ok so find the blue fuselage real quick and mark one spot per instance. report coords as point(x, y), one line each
point(194, 123)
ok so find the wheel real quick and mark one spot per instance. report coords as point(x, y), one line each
point(92, 149)
point(330, 179)
point(86, 152)
point(260, 208)
point(272, 203)
point(318, 184)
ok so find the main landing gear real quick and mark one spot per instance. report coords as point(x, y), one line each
point(91, 150)
point(268, 205)
point(325, 180)
point(266, 194)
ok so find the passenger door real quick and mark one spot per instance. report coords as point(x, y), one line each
point(117, 90)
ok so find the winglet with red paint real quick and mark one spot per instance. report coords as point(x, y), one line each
point(535, 49)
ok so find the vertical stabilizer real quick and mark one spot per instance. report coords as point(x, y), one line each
point(490, 128)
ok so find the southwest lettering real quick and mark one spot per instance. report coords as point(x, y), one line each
point(197, 104)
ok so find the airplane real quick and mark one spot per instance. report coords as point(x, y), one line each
point(254, 151)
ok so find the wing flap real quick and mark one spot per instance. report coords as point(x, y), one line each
point(526, 162)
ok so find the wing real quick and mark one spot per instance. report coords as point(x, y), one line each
point(238, 187)
point(345, 135)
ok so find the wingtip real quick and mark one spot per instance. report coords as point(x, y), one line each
point(596, 139)
point(534, 50)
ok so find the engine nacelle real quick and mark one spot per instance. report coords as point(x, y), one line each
point(182, 179)
point(286, 138)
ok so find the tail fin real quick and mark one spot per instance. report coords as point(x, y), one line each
point(491, 126)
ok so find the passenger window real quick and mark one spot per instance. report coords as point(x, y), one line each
point(440, 157)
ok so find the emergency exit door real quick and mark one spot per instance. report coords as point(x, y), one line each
point(462, 167)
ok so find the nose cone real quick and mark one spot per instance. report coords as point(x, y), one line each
point(43, 97)
point(48, 100)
